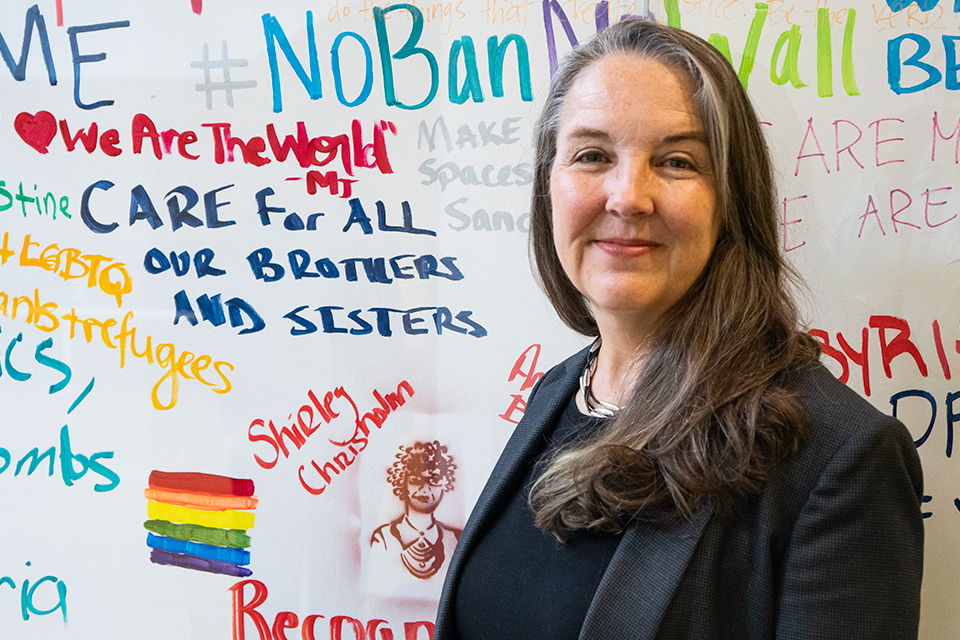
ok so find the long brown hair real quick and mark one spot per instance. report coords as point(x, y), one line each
point(707, 420)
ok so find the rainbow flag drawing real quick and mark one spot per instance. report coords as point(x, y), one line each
point(199, 521)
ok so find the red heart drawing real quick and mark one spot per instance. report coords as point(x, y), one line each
point(36, 130)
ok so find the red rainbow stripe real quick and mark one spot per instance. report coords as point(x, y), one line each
point(200, 483)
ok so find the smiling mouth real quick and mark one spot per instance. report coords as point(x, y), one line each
point(626, 247)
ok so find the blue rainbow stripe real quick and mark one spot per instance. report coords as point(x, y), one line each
point(209, 552)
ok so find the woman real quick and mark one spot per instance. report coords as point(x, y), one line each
point(695, 473)
point(420, 475)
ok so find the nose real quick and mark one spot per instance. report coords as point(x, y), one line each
point(631, 188)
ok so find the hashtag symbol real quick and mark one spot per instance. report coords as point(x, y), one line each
point(224, 64)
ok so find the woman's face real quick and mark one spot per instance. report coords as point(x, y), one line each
point(632, 189)
point(424, 492)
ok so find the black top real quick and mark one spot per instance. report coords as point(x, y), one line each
point(520, 582)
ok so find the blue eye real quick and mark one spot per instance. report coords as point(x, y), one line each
point(678, 163)
point(591, 156)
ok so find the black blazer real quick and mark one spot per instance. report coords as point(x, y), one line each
point(832, 548)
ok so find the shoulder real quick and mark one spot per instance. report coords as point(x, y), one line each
point(381, 537)
point(445, 528)
point(845, 434)
point(549, 395)
point(560, 377)
point(823, 396)
point(378, 539)
point(835, 414)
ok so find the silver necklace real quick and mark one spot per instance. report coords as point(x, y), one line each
point(595, 407)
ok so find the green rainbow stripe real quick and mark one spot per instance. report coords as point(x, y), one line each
point(234, 538)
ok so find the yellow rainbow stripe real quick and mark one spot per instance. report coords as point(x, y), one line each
point(186, 515)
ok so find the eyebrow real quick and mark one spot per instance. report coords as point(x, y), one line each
point(697, 135)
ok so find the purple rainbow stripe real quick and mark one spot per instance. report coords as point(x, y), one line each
point(159, 556)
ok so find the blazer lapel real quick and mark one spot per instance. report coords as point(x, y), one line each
point(642, 577)
point(552, 394)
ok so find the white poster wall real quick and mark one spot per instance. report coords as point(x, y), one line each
point(275, 255)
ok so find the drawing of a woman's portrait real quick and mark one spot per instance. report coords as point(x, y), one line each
point(420, 475)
